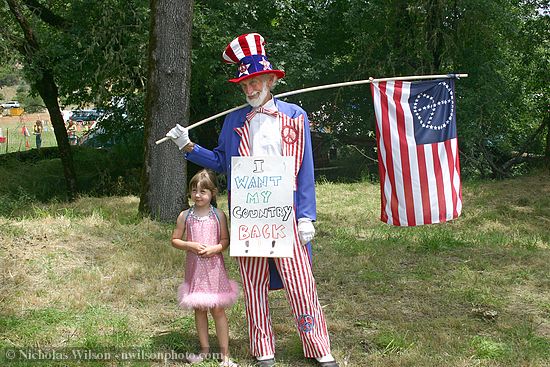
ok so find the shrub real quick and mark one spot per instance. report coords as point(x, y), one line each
point(38, 174)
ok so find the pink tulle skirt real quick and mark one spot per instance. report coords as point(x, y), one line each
point(204, 300)
point(206, 284)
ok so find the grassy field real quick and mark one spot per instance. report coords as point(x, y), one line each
point(11, 127)
point(473, 292)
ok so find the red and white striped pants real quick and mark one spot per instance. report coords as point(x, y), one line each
point(301, 293)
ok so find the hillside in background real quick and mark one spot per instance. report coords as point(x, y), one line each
point(9, 93)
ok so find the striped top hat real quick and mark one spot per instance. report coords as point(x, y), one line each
point(248, 52)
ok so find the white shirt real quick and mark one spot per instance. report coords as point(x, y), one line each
point(265, 133)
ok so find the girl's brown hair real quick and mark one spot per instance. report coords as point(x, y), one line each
point(205, 179)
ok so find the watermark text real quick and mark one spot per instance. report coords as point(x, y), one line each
point(84, 354)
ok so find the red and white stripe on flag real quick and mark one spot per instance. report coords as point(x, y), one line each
point(419, 183)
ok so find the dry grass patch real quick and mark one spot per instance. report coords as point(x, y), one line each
point(93, 274)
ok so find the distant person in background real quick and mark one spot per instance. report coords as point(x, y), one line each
point(37, 131)
point(71, 132)
point(25, 132)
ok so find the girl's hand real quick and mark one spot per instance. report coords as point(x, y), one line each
point(211, 250)
point(197, 248)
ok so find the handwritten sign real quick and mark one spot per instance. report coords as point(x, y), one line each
point(262, 211)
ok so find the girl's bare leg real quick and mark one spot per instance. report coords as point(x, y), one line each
point(201, 322)
point(222, 330)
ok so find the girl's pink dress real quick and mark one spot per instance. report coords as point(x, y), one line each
point(206, 283)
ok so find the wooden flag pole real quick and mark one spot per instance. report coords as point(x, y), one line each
point(321, 87)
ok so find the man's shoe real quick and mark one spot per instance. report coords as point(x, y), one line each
point(328, 364)
point(266, 362)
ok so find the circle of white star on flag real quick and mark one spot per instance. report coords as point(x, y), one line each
point(429, 109)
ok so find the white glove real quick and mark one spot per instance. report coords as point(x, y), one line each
point(306, 231)
point(179, 135)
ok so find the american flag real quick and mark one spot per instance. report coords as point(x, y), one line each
point(417, 151)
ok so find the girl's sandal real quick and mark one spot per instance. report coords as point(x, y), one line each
point(228, 363)
point(195, 358)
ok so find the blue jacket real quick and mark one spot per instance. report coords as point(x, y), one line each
point(219, 160)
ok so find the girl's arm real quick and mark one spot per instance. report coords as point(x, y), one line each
point(178, 233)
point(224, 237)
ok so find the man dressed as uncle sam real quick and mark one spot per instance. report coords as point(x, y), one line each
point(270, 127)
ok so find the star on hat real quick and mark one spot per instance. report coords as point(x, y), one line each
point(243, 69)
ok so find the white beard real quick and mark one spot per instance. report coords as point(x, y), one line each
point(257, 102)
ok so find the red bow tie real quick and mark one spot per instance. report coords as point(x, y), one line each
point(266, 111)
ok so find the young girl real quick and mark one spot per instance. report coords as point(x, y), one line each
point(202, 232)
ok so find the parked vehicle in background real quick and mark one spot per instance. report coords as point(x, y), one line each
point(85, 116)
point(10, 104)
point(109, 129)
point(97, 138)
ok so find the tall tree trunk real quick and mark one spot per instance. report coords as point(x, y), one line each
point(48, 91)
point(163, 179)
point(45, 84)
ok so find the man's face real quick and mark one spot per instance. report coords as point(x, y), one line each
point(256, 90)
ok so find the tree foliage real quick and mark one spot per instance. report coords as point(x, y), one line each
point(502, 45)
point(98, 50)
